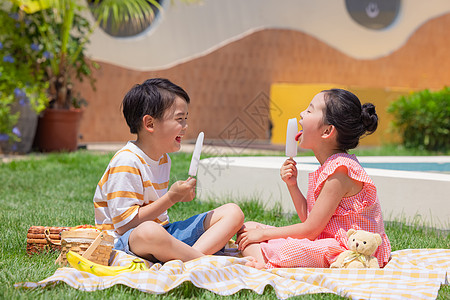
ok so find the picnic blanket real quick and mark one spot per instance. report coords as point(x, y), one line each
point(411, 274)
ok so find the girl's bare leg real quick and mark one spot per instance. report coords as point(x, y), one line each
point(254, 250)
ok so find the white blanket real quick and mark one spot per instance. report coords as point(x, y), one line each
point(411, 274)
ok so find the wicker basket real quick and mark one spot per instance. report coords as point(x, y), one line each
point(44, 238)
point(93, 245)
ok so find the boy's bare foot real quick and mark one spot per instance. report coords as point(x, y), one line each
point(254, 263)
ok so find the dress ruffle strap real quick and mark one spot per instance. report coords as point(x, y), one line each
point(355, 170)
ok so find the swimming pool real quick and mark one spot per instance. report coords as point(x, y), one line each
point(417, 166)
point(410, 189)
point(408, 166)
point(439, 164)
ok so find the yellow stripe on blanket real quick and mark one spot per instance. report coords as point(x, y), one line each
point(411, 274)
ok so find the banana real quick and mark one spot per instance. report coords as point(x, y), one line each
point(82, 264)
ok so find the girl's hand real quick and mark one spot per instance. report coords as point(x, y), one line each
point(182, 191)
point(288, 172)
point(247, 236)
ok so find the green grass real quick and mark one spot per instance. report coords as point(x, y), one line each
point(57, 190)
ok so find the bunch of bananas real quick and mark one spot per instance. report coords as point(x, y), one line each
point(82, 264)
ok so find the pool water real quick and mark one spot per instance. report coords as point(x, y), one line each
point(409, 166)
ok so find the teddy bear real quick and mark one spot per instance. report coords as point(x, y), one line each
point(362, 245)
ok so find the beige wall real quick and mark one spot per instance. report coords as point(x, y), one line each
point(184, 32)
point(227, 84)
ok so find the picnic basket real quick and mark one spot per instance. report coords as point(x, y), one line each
point(92, 244)
point(44, 238)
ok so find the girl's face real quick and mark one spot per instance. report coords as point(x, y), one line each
point(312, 122)
point(170, 130)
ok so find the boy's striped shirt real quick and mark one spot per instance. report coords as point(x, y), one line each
point(130, 181)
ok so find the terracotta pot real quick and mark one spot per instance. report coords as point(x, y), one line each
point(58, 130)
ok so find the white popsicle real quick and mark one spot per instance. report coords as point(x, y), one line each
point(196, 155)
point(291, 143)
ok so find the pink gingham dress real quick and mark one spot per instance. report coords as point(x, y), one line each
point(361, 212)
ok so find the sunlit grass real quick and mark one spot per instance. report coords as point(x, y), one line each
point(57, 190)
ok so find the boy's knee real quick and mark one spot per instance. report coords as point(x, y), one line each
point(149, 232)
point(235, 211)
point(149, 240)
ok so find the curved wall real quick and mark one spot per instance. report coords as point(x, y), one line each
point(186, 31)
point(228, 83)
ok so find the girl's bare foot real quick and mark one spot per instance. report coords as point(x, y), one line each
point(254, 263)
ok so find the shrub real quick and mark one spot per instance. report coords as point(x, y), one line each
point(423, 119)
point(21, 73)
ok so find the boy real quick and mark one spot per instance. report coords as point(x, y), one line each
point(132, 198)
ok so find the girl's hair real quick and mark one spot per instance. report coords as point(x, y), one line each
point(153, 97)
point(351, 119)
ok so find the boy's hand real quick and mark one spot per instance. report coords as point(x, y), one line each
point(288, 172)
point(182, 191)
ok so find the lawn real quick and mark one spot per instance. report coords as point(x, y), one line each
point(57, 190)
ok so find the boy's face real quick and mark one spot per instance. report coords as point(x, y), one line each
point(170, 130)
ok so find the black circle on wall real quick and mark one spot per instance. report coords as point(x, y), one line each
point(373, 14)
point(131, 27)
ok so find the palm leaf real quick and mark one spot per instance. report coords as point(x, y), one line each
point(115, 13)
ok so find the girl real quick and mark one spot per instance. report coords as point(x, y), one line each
point(340, 193)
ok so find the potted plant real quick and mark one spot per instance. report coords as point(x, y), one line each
point(22, 80)
point(63, 33)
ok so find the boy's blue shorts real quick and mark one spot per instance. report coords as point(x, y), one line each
point(187, 231)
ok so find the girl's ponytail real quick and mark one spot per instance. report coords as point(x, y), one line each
point(369, 117)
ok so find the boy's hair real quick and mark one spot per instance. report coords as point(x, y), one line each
point(351, 119)
point(153, 97)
